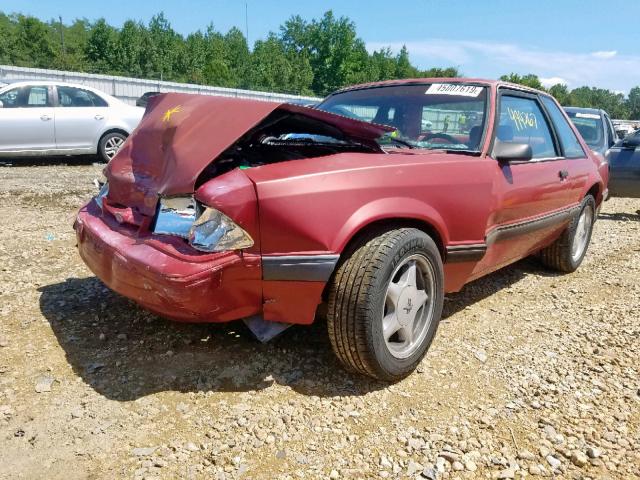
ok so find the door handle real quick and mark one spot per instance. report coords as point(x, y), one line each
point(99, 117)
point(563, 174)
point(45, 117)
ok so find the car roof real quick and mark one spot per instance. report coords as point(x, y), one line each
point(417, 81)
point(24, 83)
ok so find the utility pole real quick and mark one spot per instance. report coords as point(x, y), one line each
point(246, 21)
point(62, 37)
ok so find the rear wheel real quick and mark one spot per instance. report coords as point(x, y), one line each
point(110, 144)
point(568, 251)
point(385, 304)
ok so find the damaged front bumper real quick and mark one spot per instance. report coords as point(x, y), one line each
point(155, 273)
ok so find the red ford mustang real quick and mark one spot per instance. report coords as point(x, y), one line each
point(377, 202)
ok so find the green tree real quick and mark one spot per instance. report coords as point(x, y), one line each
point(335, 53)
point(216, 69)
point(561, 93)
point(32, 43)
point(529, 80)
point(7, 39)
point(236, 52)
point(160, 48)
point(404, 69)
point(383, 65)
point(272, 69)
point(592, 97)
point(100, 47)
point(448, 72)
point(193, 58)
point(129, 49)
point(633, 104)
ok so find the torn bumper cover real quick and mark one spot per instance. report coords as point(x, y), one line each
point(177, 284)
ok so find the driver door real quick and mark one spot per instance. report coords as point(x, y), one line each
point(531, 196)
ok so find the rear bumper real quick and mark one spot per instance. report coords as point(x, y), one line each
point(196, 288)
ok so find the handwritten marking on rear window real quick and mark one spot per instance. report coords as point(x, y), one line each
point(454, 89)
point(523, 120)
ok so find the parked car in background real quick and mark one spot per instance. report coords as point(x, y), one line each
point(223, 208)
point(53, 118)
point(144, 99)
point(624, 167)
point(622, 130)
point(595, 127)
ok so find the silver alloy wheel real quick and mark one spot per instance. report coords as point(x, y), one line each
point(581, 235)
point(409, 304)
point(112, 145)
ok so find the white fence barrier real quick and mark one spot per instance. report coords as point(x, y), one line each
point(129, 89)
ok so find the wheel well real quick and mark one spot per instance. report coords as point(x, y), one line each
point(594, 191)
point(379, 226)
point(113, 130)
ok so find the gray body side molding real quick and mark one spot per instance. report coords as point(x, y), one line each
point(301, 268)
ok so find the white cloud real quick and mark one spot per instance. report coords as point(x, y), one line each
point(605, 69)
point(551, 81)
point(605, 54)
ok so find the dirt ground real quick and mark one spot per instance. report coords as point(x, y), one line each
point(531, 373)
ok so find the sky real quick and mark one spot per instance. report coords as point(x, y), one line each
point(577, 42)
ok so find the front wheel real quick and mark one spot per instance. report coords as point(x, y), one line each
point(385, 304)
point(568, 251)
point(110, 144)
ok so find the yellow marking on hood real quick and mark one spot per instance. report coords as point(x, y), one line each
point(167, 115)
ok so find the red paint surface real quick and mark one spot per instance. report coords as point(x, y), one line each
point(197, 288)
point(167, 151)
point(307, 206)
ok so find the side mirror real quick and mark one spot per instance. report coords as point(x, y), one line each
point(510, 151)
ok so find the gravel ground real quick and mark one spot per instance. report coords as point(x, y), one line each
point(531, 374)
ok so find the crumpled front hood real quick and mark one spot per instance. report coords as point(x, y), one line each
point(181, 134)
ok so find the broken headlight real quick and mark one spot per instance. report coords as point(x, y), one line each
point(104, 191)
point(213, 231)
point(175, 216)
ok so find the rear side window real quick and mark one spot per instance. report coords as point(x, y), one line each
point(76, 97)
point(37, 97)
point(568, 140)
point(521, 121)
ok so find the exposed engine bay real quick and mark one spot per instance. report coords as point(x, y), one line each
point(284, 136)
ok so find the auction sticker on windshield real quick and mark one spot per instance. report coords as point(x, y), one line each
point(454, 89)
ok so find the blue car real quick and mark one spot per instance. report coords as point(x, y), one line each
point(623, 155)
point(624, 167)
point(595, 127)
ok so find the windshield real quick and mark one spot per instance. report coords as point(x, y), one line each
point(435, 116)
point(590, 127)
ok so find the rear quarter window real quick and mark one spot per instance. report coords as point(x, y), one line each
point(570, 144)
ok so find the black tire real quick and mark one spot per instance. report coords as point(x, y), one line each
point(560, 255)
point(107, 143)
point(358, 299)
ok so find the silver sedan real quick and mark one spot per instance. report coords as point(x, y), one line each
point(53, 118)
